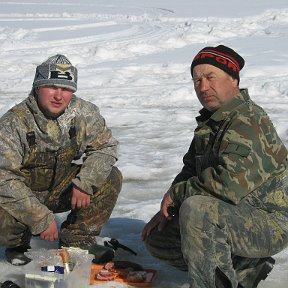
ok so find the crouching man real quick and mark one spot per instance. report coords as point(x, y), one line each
point(40, 140)
point(230, 200)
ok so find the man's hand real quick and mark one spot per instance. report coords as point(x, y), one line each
point(79, 199)
point(51, 233)
point(160, 219)
point(157, 219)
point(166, 202)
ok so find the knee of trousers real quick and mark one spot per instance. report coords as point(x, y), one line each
point(111, 187)
point(12, 232)
point(165, 245)
point(199, 209)
point(90, 220)
point(116, 179)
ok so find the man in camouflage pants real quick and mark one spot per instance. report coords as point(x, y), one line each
point(230, 200)
point(56, 155)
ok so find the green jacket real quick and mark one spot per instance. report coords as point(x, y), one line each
point(36, 154)
point(235, 152)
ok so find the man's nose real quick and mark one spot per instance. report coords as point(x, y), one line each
point(204, 86)
point(58, 93)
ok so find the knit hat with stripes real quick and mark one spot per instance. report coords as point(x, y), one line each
point(56, 71)
point(221, 57)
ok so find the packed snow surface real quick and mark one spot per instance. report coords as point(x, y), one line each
point(133, 59)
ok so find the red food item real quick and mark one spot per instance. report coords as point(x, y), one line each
point(138, 278)
point(131, 266)
point(109, 266)
point(120, 269)
point(105, 275)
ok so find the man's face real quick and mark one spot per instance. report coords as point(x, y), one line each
point(214, 87)
point(53, 100)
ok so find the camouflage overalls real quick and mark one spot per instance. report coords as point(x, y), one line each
point(38, 166)
point(232, 195)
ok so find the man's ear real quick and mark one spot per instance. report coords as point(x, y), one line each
point(235, 82)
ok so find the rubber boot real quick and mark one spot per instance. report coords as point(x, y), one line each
point(256, 271)
point(16, 255)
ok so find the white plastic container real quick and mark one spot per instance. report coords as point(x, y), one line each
point(78, 277)
point(40, 281)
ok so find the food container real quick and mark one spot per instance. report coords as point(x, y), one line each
point(36, 276)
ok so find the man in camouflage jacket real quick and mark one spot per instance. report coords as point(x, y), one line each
point(41, 140)
point(231, 197)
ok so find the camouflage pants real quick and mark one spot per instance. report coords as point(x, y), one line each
point(207, 232)
point(13, 233)
point(81, 226)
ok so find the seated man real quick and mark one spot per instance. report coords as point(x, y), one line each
point(230, 200)
point(40, 139)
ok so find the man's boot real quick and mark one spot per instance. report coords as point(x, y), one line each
point(16, 256)
point(251, 271)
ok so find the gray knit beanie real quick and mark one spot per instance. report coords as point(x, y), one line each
point(56, 71)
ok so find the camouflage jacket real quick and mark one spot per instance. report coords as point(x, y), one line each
point(235, 152)
point(79, 132)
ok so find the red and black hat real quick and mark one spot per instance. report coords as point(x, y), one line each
point(221, 57)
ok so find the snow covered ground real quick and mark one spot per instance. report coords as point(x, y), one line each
point(133, 59)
